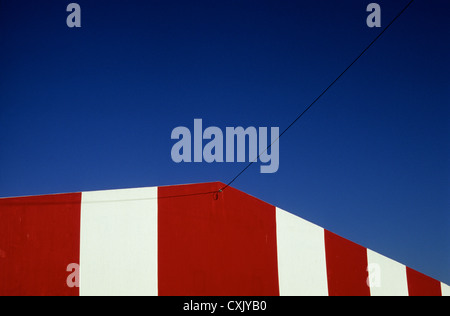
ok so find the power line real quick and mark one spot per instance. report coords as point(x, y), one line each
point(321, 95)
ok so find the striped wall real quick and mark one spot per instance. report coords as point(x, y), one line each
point(184, 240)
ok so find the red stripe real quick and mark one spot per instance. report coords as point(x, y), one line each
point(346, 267)
point(215, 246)
point(39, 237)
point(422, 285)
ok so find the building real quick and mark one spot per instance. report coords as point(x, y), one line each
point(184, 240)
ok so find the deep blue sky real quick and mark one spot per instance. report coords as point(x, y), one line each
point(93, 108)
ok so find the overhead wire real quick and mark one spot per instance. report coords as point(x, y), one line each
point(320, 95)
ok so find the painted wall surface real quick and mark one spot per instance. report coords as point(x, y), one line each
point(220, 247)
point(39, 237)
point(119, 242)
point(185, 240)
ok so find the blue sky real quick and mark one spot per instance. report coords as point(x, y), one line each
point(94, 107)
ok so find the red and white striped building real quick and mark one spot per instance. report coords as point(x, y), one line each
point(184, 240)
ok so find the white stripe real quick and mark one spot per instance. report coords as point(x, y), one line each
point(386, 277)
point(301, 257)
point(119, 243)
point(445, 289)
